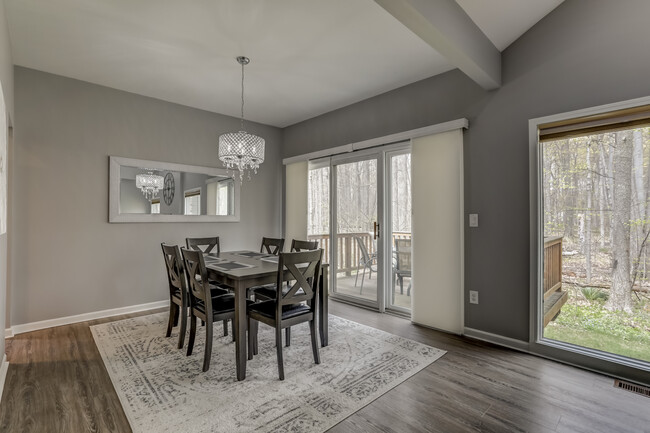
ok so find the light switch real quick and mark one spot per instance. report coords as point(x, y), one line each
point(473, 220)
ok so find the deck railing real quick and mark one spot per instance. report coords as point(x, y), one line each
point(348, 253)
point(552, 265)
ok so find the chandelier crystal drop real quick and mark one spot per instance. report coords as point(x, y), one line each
point(149, 184)
point(241, 150)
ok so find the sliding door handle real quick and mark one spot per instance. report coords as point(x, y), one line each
point(376, 230)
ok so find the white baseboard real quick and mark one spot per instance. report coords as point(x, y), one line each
point(34, 326)
point(3, 374)
point(500, 340)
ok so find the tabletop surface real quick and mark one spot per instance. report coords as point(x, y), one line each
point(242, 264)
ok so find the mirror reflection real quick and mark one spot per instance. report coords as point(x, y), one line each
point(149, 191)
point(152, 191)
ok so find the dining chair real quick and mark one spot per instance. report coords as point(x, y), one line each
point(178, 293)
point(267, 291)
point(272, 246)
point(178, 298)
point(203, 305)
point(206, 245)
point(402, 264)
point(296, 305)
point(366, 261)
point(299, 245)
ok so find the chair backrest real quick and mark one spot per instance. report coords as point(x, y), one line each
point(272, 246)
point(303, 269)
point(205, 245)
point(364, 251)
point(197, 279)
point(298, 245)
point(175, 270)
point(403, 253)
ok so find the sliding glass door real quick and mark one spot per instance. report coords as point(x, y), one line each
point(359, 210)
point(356, 229)
point(398, 241)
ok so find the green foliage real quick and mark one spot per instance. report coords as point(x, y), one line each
point(594, 294)
point(594, 327)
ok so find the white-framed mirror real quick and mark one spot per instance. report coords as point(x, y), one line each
point(154, 191)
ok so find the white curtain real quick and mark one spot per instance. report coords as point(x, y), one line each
point(437, 177)
point(295, 221)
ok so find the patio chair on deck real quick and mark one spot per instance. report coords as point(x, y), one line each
point(402, 264)
point(367, 261)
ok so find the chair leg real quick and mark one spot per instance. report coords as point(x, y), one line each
point(190, 343)
point(208, 345)
point(172, 313)
point(278, 347)
point(176, 314)
point(232, 323)
point(357, 277)
point(287, 336)
point(362, 278)
point(225, 328)
point(181, 335)
point(315, 344)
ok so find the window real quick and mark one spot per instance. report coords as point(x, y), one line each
point(155, 206)
point(225, 197)
point(193, 202)
point(593, 233)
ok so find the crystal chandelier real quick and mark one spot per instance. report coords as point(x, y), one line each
point(149, 184)
point(240, 150)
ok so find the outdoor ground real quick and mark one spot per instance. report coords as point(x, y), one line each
point(584, 321)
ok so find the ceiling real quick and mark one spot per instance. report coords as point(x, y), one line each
point(308, 57)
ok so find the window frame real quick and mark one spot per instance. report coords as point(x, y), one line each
point(603, 362)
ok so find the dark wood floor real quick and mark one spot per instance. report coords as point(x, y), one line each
point(57, 383)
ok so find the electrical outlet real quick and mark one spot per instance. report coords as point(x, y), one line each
point(473, 297)
point(473, 220)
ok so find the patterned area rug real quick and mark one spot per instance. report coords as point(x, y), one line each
point(162, 390)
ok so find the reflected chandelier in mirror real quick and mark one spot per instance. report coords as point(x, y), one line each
point(154, 191)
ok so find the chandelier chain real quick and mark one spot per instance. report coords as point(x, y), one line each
point(242, 96)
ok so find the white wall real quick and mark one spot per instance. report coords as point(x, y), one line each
point(66, 258)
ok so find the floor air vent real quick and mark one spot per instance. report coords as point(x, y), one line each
point(638, 389)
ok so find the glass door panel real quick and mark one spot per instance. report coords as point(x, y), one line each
point(399, 287)
point(357, 266)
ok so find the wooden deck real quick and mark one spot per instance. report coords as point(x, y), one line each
point(345, 285)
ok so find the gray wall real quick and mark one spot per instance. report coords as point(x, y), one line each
point(585, 53)
point(7, 82)
point(66, 258)
point(6, 64)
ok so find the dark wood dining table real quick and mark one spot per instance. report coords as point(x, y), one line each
point(245, 269)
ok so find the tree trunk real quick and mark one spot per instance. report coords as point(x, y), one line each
point(620, 297)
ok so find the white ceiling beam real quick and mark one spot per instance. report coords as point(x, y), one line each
point(445, 26)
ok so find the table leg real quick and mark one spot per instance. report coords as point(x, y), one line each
point(323, 296)
point(240, 331)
